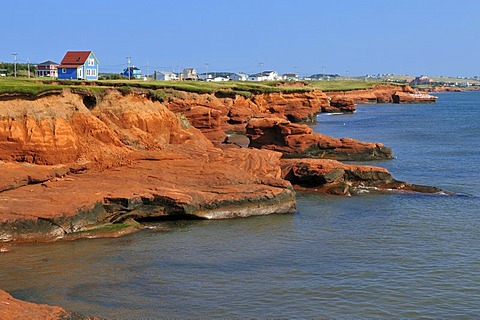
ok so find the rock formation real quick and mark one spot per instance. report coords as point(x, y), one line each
point(382, 94)
point(215, 115)
point(124, 158)
point(14, 309)
point(405, 97)
point(87, 165)
point(333, 177)
point(299, 141)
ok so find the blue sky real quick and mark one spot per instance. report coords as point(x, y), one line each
point(358, 37)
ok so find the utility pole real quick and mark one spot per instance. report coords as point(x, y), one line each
point(147, 70)
point(15, 64)
point(128, 67)
point(206, 71)
point(28, 63)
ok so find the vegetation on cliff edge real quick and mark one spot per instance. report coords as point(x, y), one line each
point(160, 89)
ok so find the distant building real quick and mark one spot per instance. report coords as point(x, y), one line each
point(240, 76)
point(290, 77)
point(219, 79)
point(215, 76)
point(420, 81)
point(132, 73)
point(164, 76)
point(207, 76)
point(189, 74)
point(78, 65)
point(263, 76)
point(47, 69)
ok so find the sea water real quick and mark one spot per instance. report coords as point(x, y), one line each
point(367, 256)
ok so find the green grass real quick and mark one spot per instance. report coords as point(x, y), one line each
point(25, 87)
point(200, 87)
point(344, 85)
point(109, 228)
point(162, 90)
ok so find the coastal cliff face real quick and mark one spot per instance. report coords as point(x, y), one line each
point(378, 94)
point(299, 141)
point(62, 130)
point(215, 116)
point(125, 157)
point(87, 161)
point(82, 166)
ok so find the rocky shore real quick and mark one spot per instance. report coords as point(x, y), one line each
point(78, 165)
point(88, 163)
point(380, 94)
point(14, 309)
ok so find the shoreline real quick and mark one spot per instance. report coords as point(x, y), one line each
point(90, 212)
point(97, 169)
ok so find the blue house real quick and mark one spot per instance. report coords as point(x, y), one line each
point(78, 65)
point(132, 72)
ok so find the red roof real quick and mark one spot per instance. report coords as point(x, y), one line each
point(75, 58)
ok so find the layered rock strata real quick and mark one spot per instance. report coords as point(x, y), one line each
point(215, 115)
point(405, 97)
point(382, 94)
point(69, 167)
point(333, 177)
point(299, 141)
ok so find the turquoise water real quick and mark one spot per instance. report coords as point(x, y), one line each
point(369, 256)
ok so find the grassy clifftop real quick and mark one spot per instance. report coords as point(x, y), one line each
point(35, 87)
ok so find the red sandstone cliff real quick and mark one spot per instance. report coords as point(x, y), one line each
point(216, 115)
point(333, 177)
point(378, 94)
point(86, 162)
point(299, 141)
point(124, 158)
point(70, 164)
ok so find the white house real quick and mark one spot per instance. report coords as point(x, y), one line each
point(219, 79)
point(47, 69)
point(263, 76)
point(290, 77)
point(205, 76)
point(239, 76)
point(189, 74)
point(165, 76)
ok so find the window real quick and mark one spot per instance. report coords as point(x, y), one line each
point(64, 70)
point(88, 72)
point(94, 72)
point(91, 62)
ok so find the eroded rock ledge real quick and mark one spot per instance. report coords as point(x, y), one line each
point(299, 141)
point(11, 308)
point(73, 167)
point(333, 177)
point(70, 167)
